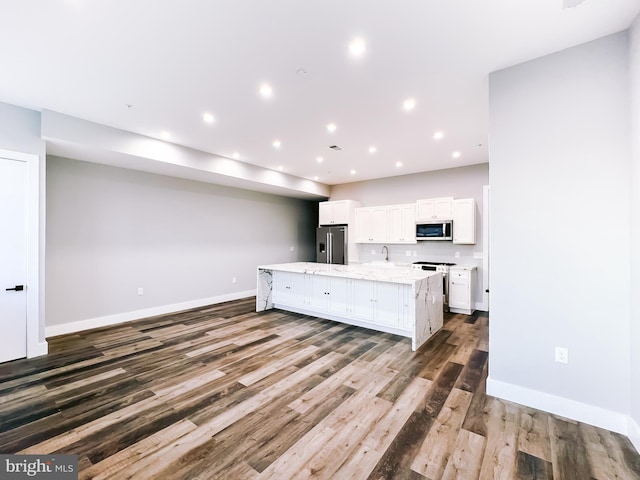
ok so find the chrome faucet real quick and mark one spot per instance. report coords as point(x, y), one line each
point(386, 257)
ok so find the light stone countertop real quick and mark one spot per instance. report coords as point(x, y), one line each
point(396, 274)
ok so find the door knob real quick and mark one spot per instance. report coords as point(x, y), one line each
point(17, 288)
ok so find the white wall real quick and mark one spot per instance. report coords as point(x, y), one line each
point(20, 132)
point(635, 232)
point(112, 230)
point(462, 182)
point(560, 250)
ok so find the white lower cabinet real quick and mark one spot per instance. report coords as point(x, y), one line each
point(289, 288)
point(363, 293)
point(328, 294)
point(461, 286)
point(378, 302)
point(388, 304)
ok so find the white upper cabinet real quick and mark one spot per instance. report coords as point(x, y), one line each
point(372, 224)
point(338, 212)
point(402, 223)
point(434, 209)
point(464, 221)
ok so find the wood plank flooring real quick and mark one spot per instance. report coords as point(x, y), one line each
point(226, 393)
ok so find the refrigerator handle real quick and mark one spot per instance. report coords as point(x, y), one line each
point(330, 247)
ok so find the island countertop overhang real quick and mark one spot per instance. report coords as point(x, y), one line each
point(397, 274)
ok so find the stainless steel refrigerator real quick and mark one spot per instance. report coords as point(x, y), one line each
point(331, 245)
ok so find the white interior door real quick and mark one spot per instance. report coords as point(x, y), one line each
point(13, 259)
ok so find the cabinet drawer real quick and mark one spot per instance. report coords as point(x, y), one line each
point(459, 274)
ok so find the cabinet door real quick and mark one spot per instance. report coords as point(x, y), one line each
point(407, 317)
point(340, 212)
point(464, 221)
point(338, 295)
point(443, 208)
point(435, 208)
point(459, 289)
point(371, 225)
point(395, 224)
point(325, 213)
point(363, 225)
point(288, 288)
point(425, 209)
point(388, 304)
point(379, 224)
point(318, 292)
point(362, 299)
point(402, 223)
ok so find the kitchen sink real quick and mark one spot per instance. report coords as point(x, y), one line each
point(380, 263)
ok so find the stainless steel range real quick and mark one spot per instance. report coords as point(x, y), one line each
point(441, 267)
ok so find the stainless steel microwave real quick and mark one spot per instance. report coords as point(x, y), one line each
point(434, 230)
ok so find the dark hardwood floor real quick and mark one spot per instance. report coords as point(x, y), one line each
point(224, 392)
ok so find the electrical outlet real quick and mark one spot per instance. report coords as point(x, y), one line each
point(415, 253)
point(457, 255)
point(292, 248)
point(477, 254)
point(373, 252)
point(408, 253)
point(140, 291)
point(562, 355)
point(233, 280)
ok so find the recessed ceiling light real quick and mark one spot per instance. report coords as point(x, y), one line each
point(353, 172)
point(373, 149)
point(331, 127)
point(207, 117)
point(165, 135)
point(398, 164)
point(280, 168)
point(438, 135)
point(236, 155)
point(276, 144)
point(456, 154)
point(315, 178)
point(409, 104)
point(319, 159)
point(357, 47)
point(265, 90)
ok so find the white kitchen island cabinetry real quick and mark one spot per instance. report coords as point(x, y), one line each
point(378, 302)
point(396, 300)
point(461, 286)
point(289, 288)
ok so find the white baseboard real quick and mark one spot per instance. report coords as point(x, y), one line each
point(582, 412)
point(40, 348)
point(634, 433)
point(53, 330)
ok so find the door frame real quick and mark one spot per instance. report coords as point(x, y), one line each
point(486, 247)
point(36, 342)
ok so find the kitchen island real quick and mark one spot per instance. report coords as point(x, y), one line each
point(392, 299)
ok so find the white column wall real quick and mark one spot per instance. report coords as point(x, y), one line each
point(560, 239)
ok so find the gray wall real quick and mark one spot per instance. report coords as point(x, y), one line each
point(635, 228)
point(560, 210)
point(462, 182)
point(112, 230)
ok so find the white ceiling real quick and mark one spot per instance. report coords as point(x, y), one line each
point(174, 60)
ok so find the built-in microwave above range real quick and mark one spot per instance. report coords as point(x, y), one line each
point(434, 230)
